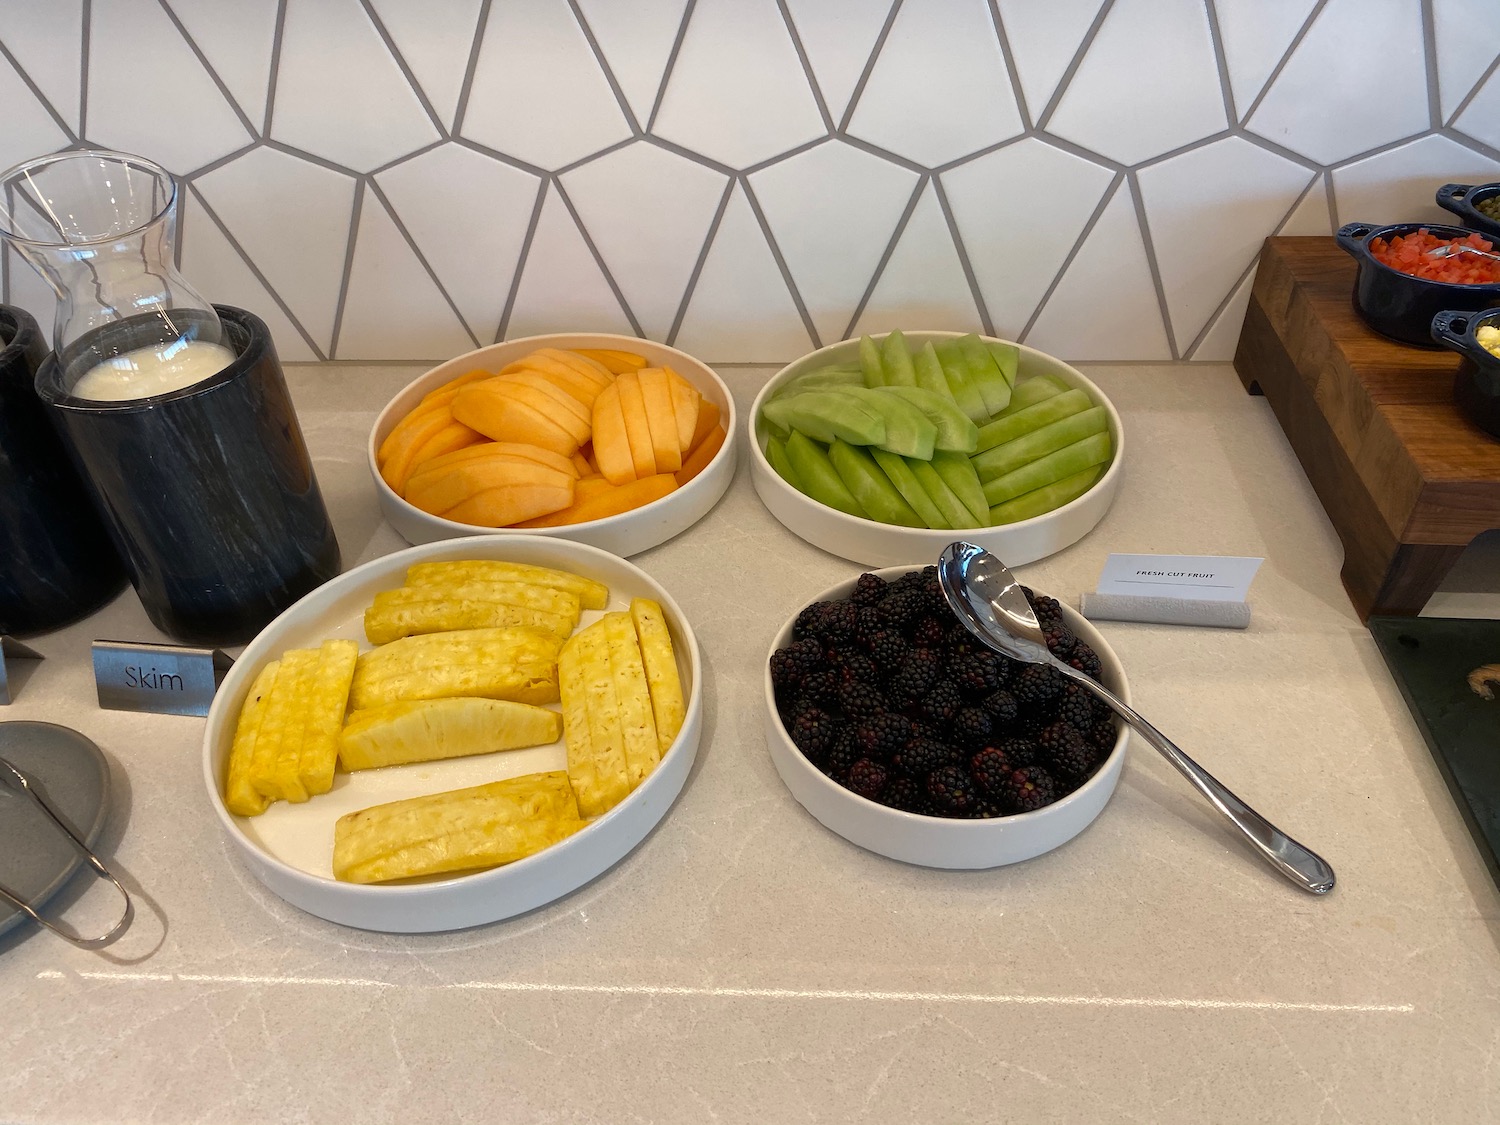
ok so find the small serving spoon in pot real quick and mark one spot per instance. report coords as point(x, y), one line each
point(985, 596)
point(1448, 250)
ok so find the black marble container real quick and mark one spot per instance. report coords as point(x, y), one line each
point(208, 491)
point(56, 561)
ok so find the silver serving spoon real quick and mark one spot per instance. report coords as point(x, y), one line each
point(987, 599)
point(1448, 250)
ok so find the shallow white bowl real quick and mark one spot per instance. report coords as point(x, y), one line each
point(881, 544)
point(290, 847)
point(628, 533)
point(933, 841)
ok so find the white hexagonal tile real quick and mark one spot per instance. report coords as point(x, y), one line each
point(469, 215)
point(170, 111)
point(47, 42)
point(237, 40)
point(1209, 210)
point(393, 308)
point(737, 92)
point(538, 92)
point(351, 105)
point(832, 210)
point(939, 90)
point(648, 212)
point(1255, 35)
point(740, 310)
point(1330, 102)
point(292, 218)
point(838, 36)
point(29, 129)
point(636, 41)
point(1466, 35)
point(1148, 84)
point(1398, 185)
point(562, 288)
point(1219, 343)
point(1105, 306)
point(1481, 117)
point(435, 39)
point(1026, 203)
point(1043, 40)
point(922, 285)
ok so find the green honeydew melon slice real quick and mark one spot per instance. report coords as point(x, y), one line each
point(869, 485)
point(819, 479)
point(955, 512)
point(1034, 417)
point(1094, 450)
point(958, 474)
point(1016, 454)
point(825, 415)
point(985, 374)
point(954, 430)
point(900, 475)
point(961, 384)
point(895, 362)
point(1040, 501)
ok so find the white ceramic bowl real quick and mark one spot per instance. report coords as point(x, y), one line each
point(290, 847)
point(628, 533)
point(933, 841)
point(879, 544)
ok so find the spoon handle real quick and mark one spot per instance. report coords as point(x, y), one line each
point(1300, 864)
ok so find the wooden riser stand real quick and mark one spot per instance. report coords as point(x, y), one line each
point(1406, 480)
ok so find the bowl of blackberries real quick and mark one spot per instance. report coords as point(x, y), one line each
point(899, 730)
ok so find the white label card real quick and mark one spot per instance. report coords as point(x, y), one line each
point(1208, 578)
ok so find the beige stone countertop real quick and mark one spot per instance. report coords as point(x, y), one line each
point(744, 964)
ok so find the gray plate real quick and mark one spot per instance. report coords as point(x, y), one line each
point(71, 772)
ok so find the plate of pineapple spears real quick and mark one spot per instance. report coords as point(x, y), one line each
point(456, 733)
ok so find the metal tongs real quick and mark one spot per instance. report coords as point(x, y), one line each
point(13, 778)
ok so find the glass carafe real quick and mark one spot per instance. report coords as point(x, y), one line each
point(100, 228)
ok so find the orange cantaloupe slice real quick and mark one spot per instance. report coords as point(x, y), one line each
point(637, 428)
point(708, 418)
point(685, 403)
point(583, 465)
point(432, 400)
point(610, 444)
point(402, 454)
point(438, 492)
point(500, 416)
point(510, 504)
point(612, 359)
point(564, 398)
point(550, 362)
point(699, 458)
point(597, 499)
point(563, 417)
point(585, 390)
point(660, 416)
point(451, 438)
point(484, 449)
point(591, 368)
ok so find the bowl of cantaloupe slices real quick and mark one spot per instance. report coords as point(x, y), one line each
point(613, 441)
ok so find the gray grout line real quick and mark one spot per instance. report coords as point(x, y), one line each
point(400, 60)
point(338, 313)
point(781, 157)
point(1286, 57)
point(220, 161)
point(395, 217)
point(1333, 203)
point(807, 68)
point(975, 293)
point(1430, 60)
point(86, 22)
point(481, 25)
point(890, 250)
point(1072, 149)
point(588, 240)
point(1105, 199)
point(36, 92)
point(208, 68)
point(1292, 210)
point(1378, 150)
point(1458, 136)
point(1473, 93)
point(1202, 142)
point(407, 156)
point(265, 282)
point(1011, 70)
point(864, 75)
point(885, 154)
point(501, 158)
point(781, 263)
point(1274, 149)
point(1045, 117)
point(605, 68)
point(692, 281)
point(1221, 60)
point(686, 153)
point(276, 38)
point(671, 64)
point(1136, 197)
point(310, 157)
point(521, 260)
point(584, 161)
point(1213, 320)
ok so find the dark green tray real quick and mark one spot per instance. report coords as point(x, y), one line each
point(1431, 658)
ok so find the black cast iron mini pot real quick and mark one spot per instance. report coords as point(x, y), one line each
point(1462, 200)
point(1476, 387)
point(1400, 305)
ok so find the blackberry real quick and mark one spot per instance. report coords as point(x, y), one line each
point(1020, 750)
point(1059, 639)
point(914, 677)
point(951, 790)
point(882, 734)
point(902, 605)
point(1086, 660)
point(819, 686)
point(1000, 705)
point(866, 778)
point(854, 666)
point(903, 793)
point(921, 755)
point(1065, 751)
point(989, 768)
point(971, 727)
point(1035, 686)
point(790, 664)
point(867, 623)
point(1102, 736)
point(836, 624)
point(841, 756)
point(813, 731)
point(928, 631)
point(1075, 706)
point(858, 700)
point(868, 590)
point(976, 674)
point(888, 649)
point(1027, 789)
point(808, 618)
point(941, 703)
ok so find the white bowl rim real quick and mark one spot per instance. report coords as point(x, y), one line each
point(550, 340)
point(947, 824)
point(1117, 433)
point(388, 893)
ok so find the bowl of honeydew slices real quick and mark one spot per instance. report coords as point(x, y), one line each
point(880, 449)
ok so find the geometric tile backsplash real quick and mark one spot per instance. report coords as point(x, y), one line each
point(748, 179)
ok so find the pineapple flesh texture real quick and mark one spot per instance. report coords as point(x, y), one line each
point(591, 594)
point(596, 764)
point(517, 663)
point(433, 729)
point(441, 607)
